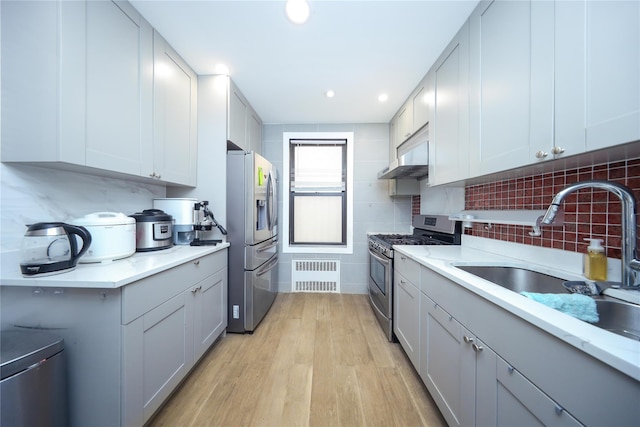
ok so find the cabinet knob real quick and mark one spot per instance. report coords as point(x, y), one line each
point(541, 154)
point(559, 409)
point(468, 339)
point(557, 150)
point(510, 369)
point(477, 348)
point(196, 262)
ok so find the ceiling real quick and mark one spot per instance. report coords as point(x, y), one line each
point(359, 49)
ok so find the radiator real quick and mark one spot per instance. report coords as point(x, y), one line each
point(311, 275)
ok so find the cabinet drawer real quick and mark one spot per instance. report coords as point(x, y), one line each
point(407, 267)
point(520, 401)
point(146, 294)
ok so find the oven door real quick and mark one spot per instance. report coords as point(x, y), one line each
point(380, 289)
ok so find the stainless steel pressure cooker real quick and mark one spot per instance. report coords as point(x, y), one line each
point(153, 230)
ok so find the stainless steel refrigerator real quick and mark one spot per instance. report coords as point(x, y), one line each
point(252, 213)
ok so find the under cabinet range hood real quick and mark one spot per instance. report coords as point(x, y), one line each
point(412, 160)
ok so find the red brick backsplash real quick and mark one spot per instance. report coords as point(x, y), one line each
point(415, 206)
point(587, 213)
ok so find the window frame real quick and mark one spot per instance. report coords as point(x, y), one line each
point(347, 247)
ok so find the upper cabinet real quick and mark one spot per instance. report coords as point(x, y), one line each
point(511, 83)
point(78, 92)
point(449, 126)
point(244, 126)
point(175, 140)
point(597, 71)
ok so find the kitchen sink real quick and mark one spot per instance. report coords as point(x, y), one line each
point(517, 279)
point(619, 317)
point(616, 316)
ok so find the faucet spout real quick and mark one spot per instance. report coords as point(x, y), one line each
point(630, 263)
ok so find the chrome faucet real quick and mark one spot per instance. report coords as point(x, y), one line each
point(630, 263)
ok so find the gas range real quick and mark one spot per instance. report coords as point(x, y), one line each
point(428, 230)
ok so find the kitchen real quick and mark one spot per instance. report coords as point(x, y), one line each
point(33, 194)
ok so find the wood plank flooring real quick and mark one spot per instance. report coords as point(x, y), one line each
point(315, 360)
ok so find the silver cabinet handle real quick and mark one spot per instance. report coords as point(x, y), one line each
point(196, 262)
point(510, 369)
point(559, 409)
point(557, 150)
point(468, 339)
point(194, 290)
point(541, 154)
point(477, 348)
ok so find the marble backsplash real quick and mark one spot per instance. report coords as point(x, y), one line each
point(30, 194)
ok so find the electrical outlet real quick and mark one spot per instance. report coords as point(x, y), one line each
point(236, 311)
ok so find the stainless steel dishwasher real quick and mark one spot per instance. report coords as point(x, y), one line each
point(33, 389)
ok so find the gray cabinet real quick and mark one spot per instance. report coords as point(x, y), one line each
point(449, 145)
point(597, 70)
point(165, 333)
point(456, 368)
point(76, 85)
point(87, 86)
point(175, 141)
point(244, 126)
point(128, 347)
point(511, 78)
point(406, 310)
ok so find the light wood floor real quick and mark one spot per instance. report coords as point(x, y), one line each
point(315, 360)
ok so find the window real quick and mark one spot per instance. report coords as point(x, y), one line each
point(317, 192)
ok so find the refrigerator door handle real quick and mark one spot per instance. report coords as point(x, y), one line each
point(271, 202)
point(268, 266)
point(273, 244)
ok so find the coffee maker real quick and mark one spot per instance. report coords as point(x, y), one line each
point(203, 220)
point(192, 219)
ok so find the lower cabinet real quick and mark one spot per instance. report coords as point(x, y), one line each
point(406, 314)
point(165, 342)
point(127, 348)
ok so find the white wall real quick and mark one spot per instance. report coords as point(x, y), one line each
point(373, 210)
point(31, 194)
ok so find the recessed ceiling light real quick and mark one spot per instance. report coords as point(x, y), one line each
point(383, 97)
point(330, 94)
point(222, 69)
point(297, 11)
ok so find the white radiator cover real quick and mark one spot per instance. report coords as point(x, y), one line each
point(315, 275)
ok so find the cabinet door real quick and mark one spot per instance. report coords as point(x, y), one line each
point(175, 115)
point(406, 324)
point(210, 311)
point(237, 118)
point(255, 132)
point(167, 353)
point(450, 127)
point(405, 122)
point(420, 106)
point(597, 73)
point(511, 83)
point(118, 81)
point(447, 368)
point(521, 403)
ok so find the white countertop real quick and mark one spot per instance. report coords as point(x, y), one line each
point(112, 274)
point(619, 352)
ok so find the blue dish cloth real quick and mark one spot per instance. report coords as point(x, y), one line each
point(579, 306)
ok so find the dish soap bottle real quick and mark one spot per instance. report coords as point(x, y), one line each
point(595, 261)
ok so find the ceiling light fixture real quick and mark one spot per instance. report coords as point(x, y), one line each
point(297, 11)
point(330, 94)
point(383, 97)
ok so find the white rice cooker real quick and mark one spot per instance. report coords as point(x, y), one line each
point(113, 236)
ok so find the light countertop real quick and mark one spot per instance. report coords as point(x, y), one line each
point(619, 352)
point(112, 274)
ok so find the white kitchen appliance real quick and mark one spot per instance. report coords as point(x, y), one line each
point(51, 248)
point(182, 211)
point(113, 236)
